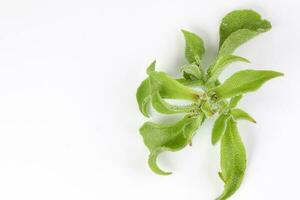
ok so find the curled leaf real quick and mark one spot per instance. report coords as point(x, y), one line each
point(238, 27)
point(233, 160)
point(235, 40)
point(243, 82)
point(143, 97)
point(144, 92)
point(191, 72)
point(238, 114)
point(162, 106)
point(194, 49)
point(173, 137)
point(152, 162)
point(170, 88)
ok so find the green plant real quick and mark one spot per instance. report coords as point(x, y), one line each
point(212, 98)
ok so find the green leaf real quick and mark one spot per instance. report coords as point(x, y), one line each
point(233, 160)
point(238, 114)
point(243, 82)
point(152, 162)
point(194, 49)
point(221, 63)
point(144, 92)
point(190, 129)
point(161, 106)
point(151, 68)
point(173, 137)
point(185, 82)
point(234, 101)
point(143, 97)
point(235, 40)
point(170, 88)
point(159, 85)
point(238, 27)
point(207, 109)
point(191, 72)
point(219, 128)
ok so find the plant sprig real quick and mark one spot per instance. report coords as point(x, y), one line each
point(236, 28)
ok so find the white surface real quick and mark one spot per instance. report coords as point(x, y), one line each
point(68, 116)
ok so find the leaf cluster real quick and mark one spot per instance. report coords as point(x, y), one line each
point(210, 98)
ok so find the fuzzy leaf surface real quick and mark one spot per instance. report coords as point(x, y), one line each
point(233, 160)
point(170, 88)
point(194, 47)
point(219, 128)
point(162, 106)
point(234, 101)
point(143, 97)
point(191, 72)
point(243, 82)
point(186, 82)
point(173, 137)
point(239, 114)
point(239, 26)
point(221, 63)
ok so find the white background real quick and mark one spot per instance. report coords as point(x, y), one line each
point(68, 115)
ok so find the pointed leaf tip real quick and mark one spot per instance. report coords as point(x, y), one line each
point(239, 114)
point(233, 160)
point(244, 81)
point(194, 47)
point(173, 137)
point(151, 67)
point(239, 26)
point(154, 167)
point(220, 65)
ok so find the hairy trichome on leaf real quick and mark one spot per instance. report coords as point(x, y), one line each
point(212, 98)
